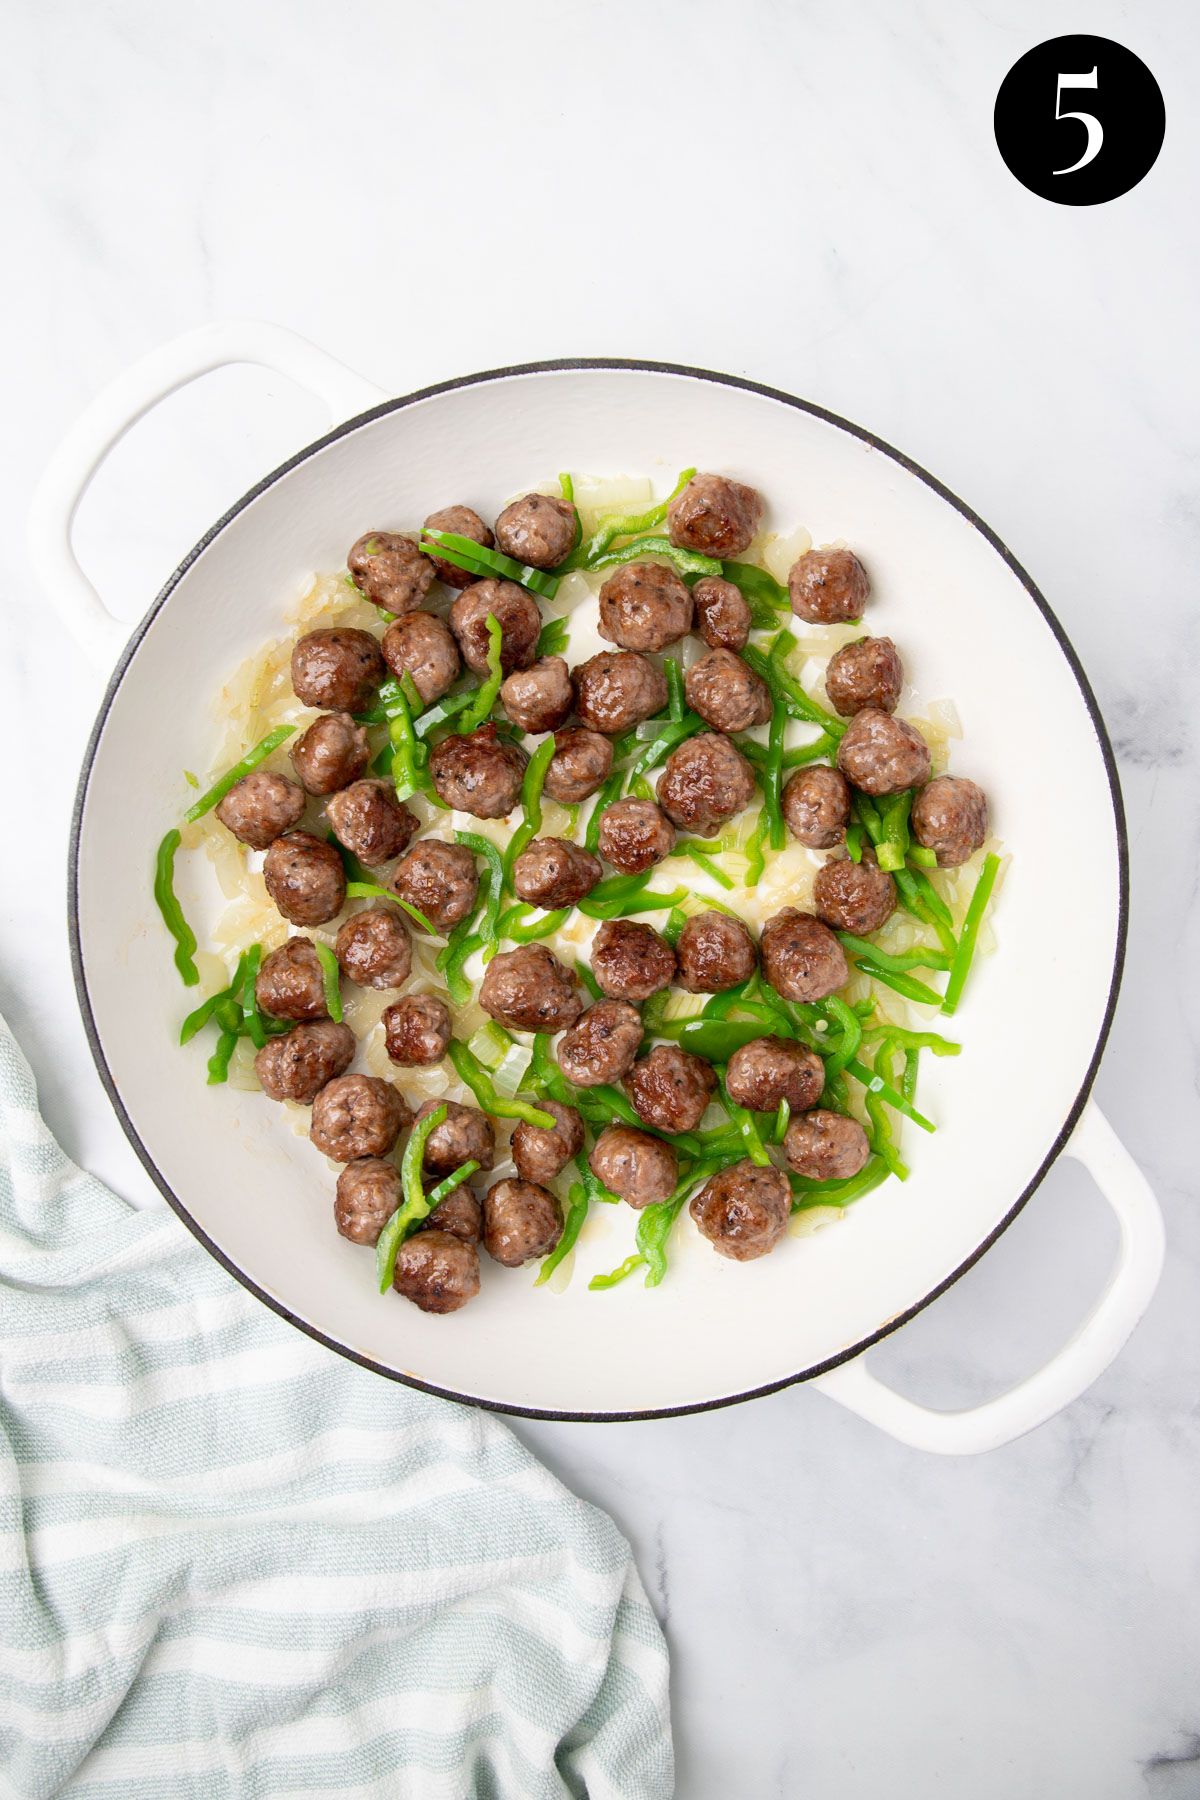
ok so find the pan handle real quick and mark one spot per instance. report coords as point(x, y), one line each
point(121, 405)
point(1082, 1359)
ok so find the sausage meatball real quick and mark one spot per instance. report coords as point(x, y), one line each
point(727, 694)
point(856, 897)
point(390, 570)
point(602, 1046)
point(369, 820)
point(722, 613)
point(630, 961)
point(581, 763)
point(640, 1169)
point(290, 983)
point(464, 1135)
point(540, 698)
point(705, 782)
point(367, 1194)
point(816, 806)
point(422, 646)
point(538, 530)
point(297, 1065)
point(374, 948)
point(261, 807)
point(338, 670)
point(551, 872)
point(616, 689)
point(539, 1154)
point(332, 753)
point(463, 521)
point(517, 615)
point(521, 1221)
point(305, 878)
point(882, 755)
point(771, 1069)
point(437, 1271)
point(459, 1214)
point(867, 672)
point(801, 958)
point(826, 1146)
point(528, 989)
point(670, 1089)
point(478, 773)
point(743, 1211)
point(439, 879)
point(950, 817)
point(714, 952)
point(828, 586)
point(357, 1115)
point(417, 1030)
point(644, 606)
point(715, 515)
point(634, 835)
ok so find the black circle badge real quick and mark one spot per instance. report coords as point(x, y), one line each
point(1079, 120)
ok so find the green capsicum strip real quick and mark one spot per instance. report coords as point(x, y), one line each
point(745, 1122)
point(525, 924)
point(912, 1040)
point(822, 749)
point(332, 977)
point(961, 966)
point(917, 893)
point(786, 690)
point(466, 554)
point(409, 754)
point(617, 525)
point(552, 640)
point(849, 1041)
point(472, 1072)
point(907, 985)
point(252, 1020)
point(531, 801)
point(613, 900)
point(809, 1193)
point(444, 711)
point(578, 1202)
point(892, 849)
point(611, 789)
point(684, 562)
point(479, 710)
point(898, 962)
point(675, 702)
point(251, 760)
point(489, 918)
point(883, 1142)
point(414, 1202)
point(371, 890)
point(172, 912)
point(669, 738)
point(566, 487)
point(923, 858)
point(767, 597)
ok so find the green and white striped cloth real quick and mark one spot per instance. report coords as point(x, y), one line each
point(233, 1564)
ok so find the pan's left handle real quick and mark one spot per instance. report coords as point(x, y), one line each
point(120, 406)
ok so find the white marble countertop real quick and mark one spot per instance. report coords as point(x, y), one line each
point(808, 195)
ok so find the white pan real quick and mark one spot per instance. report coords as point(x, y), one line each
point(971, 625)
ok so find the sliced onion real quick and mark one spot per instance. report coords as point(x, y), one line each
point(508, 1074)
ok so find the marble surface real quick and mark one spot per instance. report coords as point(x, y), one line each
point(809, 196)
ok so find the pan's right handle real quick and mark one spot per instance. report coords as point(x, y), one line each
point(120, 406)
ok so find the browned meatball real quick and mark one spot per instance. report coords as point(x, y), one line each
point(630, 961)
point(459, 1214)
point(639, 1168)
point(540, 698)
point(261, 807)
point(743, 1211)
point(417, 1030)
point(670, 1089)
point(581, 763)
point(644, 606)
point(390, 570)
point(369, 820)
point(801, 958)
point(634, 835)
point(368, 1193)
point(727, 695)
point(771, 1069)
point(358, 1115)
point(714, 952)
point(331, 754)
point(715, 515)
point(422, 646)
point(297, 1065)
point(464, 1135)
point(463, 521)
point(539, 1154)
point(374, 948)
point(521, 1221)
point(867, 672)
point(437, 1272)
point(950, 817)
point(816, 806)
point(705, 782)
point(828, 586)
point(478, 773)
point(439, 879)
point(616, 689)
point(517, 615)
point(722, 613)
point(305, 878)
point(338, 669)
point(290, 983)
point(528, 989)
point(538, 530)
point(856, 897)
point(826, 1146)
point(882, 755)
point(551, 872)
point(602, 1046)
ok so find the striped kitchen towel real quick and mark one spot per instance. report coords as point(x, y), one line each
point(233, 1564)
